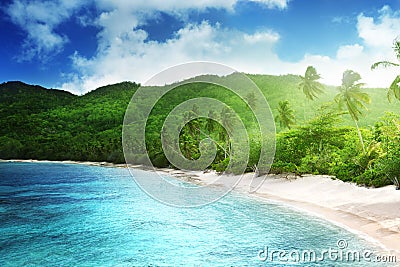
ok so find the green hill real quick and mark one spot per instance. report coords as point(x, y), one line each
point(278, 88)
point(53, 124)
point(20, 98)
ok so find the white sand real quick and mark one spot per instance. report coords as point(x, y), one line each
point(373, 213)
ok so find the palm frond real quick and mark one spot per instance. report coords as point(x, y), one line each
point(360, 97)
point(311, 88)
point(394, 88)
point(384, 64)
point(351, 96)
point(396, 47)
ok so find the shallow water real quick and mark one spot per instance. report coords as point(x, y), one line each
point(73, 215)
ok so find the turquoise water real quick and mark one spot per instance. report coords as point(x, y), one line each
point(74, 215)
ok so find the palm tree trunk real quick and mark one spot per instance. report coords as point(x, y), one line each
point(360, 136)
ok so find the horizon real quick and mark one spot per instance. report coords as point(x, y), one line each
point(79, 47)
point(168, 84)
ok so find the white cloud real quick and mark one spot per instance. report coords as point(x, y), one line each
point(382, 32)
point(375, 44)
point(162, 5)
point(376, 38)
point(125, 53)
point(377, 35)
point(39, 20)
point(128, 55)
point(273, 3)
point(133, 58)
point(258, 37)
point(349, 51)
point(179, 5)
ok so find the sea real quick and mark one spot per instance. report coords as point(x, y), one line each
point(54, 214)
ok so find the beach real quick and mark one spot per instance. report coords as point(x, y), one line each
point(372, 213)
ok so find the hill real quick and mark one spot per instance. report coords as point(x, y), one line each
point(52, 124)
point(20, 98)
point(278, 88)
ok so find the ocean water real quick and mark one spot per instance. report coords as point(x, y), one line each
point(73, 215)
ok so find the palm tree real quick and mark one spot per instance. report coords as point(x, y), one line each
point(285, 115)
point(394, 88)
point(227, 118)
point(310, 85)
point(351, 96)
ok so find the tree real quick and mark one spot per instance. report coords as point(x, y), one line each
point(351, 96)
point(394, 88)
point(9, 147)
point(193, 122)
point(285, 115)
point(310, 85)
point(227, 117)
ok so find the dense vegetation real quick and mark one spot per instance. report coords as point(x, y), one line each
point(52, 124)
point(317, 131)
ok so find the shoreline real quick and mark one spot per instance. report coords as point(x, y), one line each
point(371, 213)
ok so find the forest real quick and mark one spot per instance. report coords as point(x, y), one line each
point(348, 131)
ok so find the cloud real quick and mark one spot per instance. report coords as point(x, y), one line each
point(381, 32)
point(258, 37)
point(179, 5)
point(124, 51)
point(281, 4)
point(127, 54)
point(164, 6)
point(341, 19)
point(39, 19)
point(134, 58)
point(349, 51)
point(376, 36)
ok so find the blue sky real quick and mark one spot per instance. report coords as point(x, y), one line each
point(81, 45)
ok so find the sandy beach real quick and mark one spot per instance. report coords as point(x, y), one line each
point(372, 213)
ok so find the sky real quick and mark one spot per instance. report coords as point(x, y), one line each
point(79, 46)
